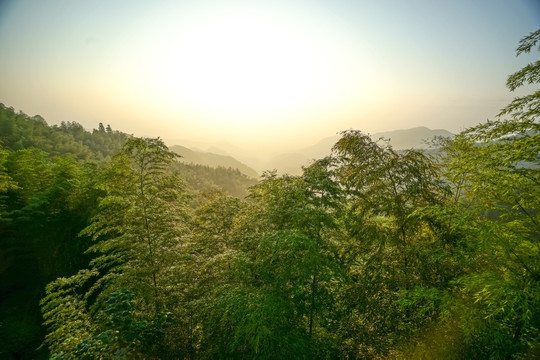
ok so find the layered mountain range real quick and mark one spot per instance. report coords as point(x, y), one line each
point(224, 155)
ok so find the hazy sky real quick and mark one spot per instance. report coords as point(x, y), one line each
point(261, 73)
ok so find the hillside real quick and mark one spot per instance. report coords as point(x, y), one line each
point(195, 157)
point(202, 171)
point(48, 194)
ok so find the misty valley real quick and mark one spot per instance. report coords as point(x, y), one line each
point(360, 247)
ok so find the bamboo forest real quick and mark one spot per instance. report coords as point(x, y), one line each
point(111, 248)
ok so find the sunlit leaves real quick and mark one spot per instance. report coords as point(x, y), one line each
point(370, 253)
point(495, 166)
point(525, 108)
point(137, 233)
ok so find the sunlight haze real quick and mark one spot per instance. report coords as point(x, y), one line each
point(261, 75)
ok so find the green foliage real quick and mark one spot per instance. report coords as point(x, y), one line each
point(392, 249)
point(49, 191)
point(19, 131)
point(141, 219)
point(370, 253)
point(6, 182)
point(248, 322)
point(525, 109)
point(46, 203)
point(65, 313)
point(493, 168)
point(129, 290)
point(499, 298)
point(205, 178)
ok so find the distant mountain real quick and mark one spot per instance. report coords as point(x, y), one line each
point(320, 149)
point(288, 163)
point(212, 159)
point(219, 154)
point(415, 138)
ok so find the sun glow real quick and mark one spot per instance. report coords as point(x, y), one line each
point(245, 67)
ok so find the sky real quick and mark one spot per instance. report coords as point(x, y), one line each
point(263, 75)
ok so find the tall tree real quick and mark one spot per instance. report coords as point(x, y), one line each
point(384, 241)
point(498, 164)
point(138, 235)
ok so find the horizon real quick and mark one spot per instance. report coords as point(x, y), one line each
point(228, 148)
point(268, 78)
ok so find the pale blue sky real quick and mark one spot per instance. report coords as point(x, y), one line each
point(265, 73)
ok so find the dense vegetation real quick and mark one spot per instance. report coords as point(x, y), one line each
point(49, 191)
point(368, 254)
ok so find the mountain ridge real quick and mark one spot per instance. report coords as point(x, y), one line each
point(228, 155)
point(212, 159)
point(401, 139)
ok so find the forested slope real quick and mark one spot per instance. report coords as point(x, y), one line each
point(49, 191)
point(190, 156)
